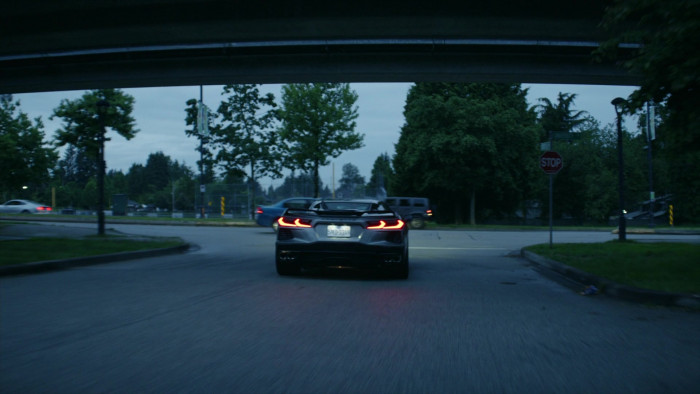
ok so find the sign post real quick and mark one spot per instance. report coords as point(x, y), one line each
point(551, 163)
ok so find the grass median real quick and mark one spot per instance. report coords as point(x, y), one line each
point(43, 249)
point(669, 267)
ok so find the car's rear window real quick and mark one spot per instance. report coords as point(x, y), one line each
point(346, 206)
point(297, 204)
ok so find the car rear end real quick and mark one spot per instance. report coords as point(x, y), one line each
point(337, 239)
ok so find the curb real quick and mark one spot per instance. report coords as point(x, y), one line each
point(55, 265)
point(613, 289)
point(112, 220)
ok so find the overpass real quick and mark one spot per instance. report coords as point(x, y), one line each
point(48, 45)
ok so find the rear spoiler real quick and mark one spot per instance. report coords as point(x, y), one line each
point(312, 212)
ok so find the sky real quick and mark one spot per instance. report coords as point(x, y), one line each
point(160, 119)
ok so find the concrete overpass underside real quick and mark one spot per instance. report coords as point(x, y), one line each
point(48, 45)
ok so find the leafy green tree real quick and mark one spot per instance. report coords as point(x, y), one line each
point(352, 184)
point(674, 171)
point(136, 181)
point(157, 170)
point(246, 137)
point(115, 183)
point(659, 41)
point(318, 123)
point(382, 173)
point(559, 117)
point(300, 185)
point(76, 166)
point(25, 158)
point(83, 123)
point(461, 142)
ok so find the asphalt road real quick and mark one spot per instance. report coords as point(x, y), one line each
point(472, 317)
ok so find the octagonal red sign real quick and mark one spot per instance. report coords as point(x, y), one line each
point(551, 162)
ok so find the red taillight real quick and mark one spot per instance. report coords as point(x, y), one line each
point(48, 209)
point(295, 223)
point(429, 212)
point(382, 225)
point(258, 210)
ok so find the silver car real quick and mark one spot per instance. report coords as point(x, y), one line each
point(24, 206)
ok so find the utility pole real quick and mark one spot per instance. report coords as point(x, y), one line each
point(650, 137)
point(619, 103)
point(201, 119)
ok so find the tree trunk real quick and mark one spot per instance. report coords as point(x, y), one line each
point(472, 209)
point(316, 193)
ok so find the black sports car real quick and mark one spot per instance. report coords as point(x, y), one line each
point(342, 234)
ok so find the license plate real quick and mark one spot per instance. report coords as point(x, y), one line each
point(338, 231)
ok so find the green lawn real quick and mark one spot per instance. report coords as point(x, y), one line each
point(41, 249)
point(671, 267)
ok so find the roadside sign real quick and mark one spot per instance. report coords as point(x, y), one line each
point(551, 162)
point(203, 120)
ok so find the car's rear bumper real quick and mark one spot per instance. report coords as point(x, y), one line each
point(325, 254)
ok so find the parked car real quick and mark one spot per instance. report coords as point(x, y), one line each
point(414, 210)
point(342, 234)
point(24, 206)
point(267, 215)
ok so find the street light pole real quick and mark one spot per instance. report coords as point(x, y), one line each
point(650, 138)
point(200, 129)
point(618, 103)
point(102, 106)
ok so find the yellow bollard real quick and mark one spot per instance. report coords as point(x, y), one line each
point(223, 205)
point(670, 215)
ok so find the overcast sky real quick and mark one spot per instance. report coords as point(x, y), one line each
point(160, 118)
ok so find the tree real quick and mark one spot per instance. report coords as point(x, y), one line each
point(463, 141)
point(380, 180)
point(298, 186)
point(318, 123)
point(246, 137)
point(83, 124)
point(157, 170)
point(25, 159)
point(352, 184)
point(658, 41)
point(76, 166)
point(559, 117)
point(86, 120)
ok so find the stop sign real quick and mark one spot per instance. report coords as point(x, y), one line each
point(551, 162)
